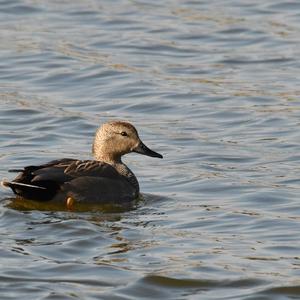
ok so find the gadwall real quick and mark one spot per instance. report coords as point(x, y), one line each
point(106, 179)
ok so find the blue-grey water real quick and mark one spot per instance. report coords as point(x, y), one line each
point(212, 85)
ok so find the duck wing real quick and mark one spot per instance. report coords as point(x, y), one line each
point(27, 185)
point(43, 182)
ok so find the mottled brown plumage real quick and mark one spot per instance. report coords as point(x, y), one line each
point(103, 180)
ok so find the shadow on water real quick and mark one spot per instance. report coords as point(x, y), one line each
point(29, 205)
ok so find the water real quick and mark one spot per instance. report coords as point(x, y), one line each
point(214, 87)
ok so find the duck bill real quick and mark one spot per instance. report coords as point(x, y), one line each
point(143, 149)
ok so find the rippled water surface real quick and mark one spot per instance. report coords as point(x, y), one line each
point(214, 87)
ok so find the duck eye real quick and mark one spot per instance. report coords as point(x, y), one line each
point(124, 133)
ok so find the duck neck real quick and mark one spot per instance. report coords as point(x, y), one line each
point(101, 153)
point(127, 173)
point(121, 168)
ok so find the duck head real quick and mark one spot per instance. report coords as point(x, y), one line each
point(114, 139)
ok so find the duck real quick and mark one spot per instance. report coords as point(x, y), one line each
point(104, 179)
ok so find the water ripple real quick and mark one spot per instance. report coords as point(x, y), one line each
point(216, 91)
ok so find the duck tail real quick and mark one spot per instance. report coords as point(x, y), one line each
point(13, 185)
point(16, 170)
